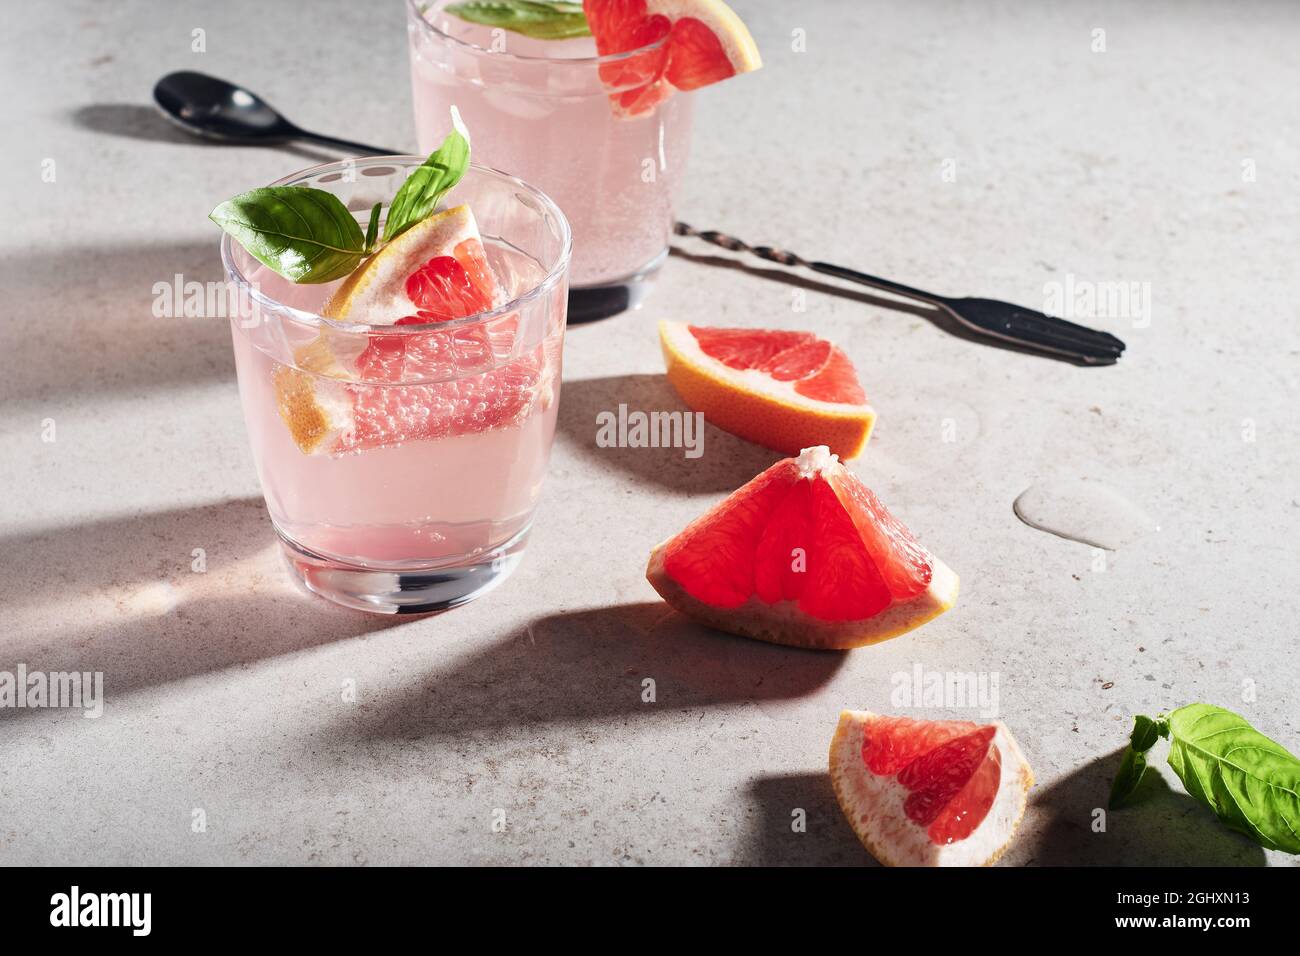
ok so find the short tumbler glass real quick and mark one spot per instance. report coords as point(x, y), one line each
point(401, 465)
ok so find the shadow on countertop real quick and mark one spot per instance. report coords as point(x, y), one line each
point(827, 838)
point(801, 280)
point(727, 462)
point(144, 122)
point(590, 665)
point(81, 324)
point(1162, 827)
point(79, 320)
point(141, 614)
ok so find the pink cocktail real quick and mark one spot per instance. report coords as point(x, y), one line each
point(547, 110)
point(401, 464)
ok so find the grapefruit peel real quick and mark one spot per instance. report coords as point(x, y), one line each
point(751, 403)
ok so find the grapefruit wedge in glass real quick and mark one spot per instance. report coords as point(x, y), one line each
point(929, 792)
point(803, 555)
point(435, 272)
point(784, 390)
point(693, 43)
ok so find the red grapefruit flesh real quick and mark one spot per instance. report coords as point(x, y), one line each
point(816, 367)
point(929, 793)
point(696, 56)
point(451, 287)
point(942, 798)
point(703, 42)
point(435, 272)
point(803, 555)
point(962, 814)
point(819, 370)
point(747, 348)
point(894, 742)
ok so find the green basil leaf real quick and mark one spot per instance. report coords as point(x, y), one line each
point(1134, 764)
point(532, 18)
point(306, 235)
point(372, 230)
point(1251, 783)
point(427, 184)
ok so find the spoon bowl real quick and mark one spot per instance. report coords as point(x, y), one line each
point(217, 109)
point(213, 108)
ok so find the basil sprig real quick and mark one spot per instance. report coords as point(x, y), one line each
point(531, 18)
point(1251, 783)
point(309, 236)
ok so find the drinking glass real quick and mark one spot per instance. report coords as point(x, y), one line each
point(562, 117)
point(401, 464)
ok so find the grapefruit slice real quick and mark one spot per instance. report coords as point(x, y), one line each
point(803, 555)
point(929, 792)
point(784, 390)
point(706, 42)
point(436, 271)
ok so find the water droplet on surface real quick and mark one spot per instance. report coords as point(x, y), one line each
point(1085, 511)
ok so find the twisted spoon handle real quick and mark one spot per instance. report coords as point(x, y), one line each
point(782, 256)
point(787, 258)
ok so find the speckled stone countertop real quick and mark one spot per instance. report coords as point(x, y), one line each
point(972, 148)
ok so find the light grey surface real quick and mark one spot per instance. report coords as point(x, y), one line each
point(224, 689)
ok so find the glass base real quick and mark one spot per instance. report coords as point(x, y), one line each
point(589, 303)
point(405, 591)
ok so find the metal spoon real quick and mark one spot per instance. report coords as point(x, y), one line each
point(217, 109)
point(990, 318)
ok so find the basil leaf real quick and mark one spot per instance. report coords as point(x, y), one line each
point(1144, 736)
point(1251, 783)
point(419, 195)
point(532, 18)
point(306, 235)
point(372, 230)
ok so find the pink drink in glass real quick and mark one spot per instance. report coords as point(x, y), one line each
point(401, 464)
point(541, 109)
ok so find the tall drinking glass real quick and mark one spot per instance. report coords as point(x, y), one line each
point(401, 464)
point(562, 117)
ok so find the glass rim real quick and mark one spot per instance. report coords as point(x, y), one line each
point(543, 287)
point(413, 8)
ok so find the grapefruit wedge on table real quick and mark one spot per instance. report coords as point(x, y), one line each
point(929, 792)
point(803, 555)
point(436, 271)
point(704, 42)
point(784, 390)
